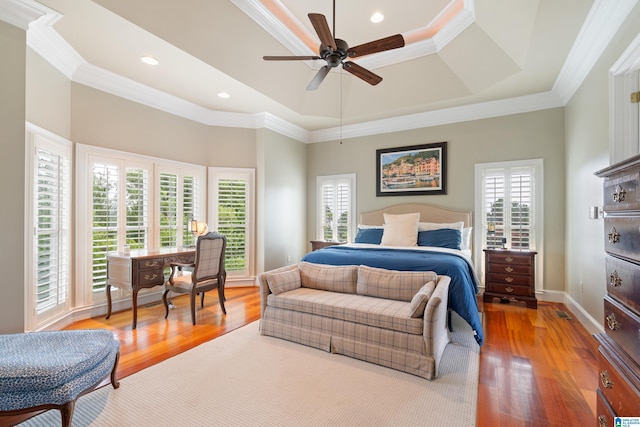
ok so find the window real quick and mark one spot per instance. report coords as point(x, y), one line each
point(49, 259)
point(336, 207)
point(232, 195)
point(509, 207)
point(117, 201)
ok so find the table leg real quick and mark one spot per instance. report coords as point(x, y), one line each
point(108, 301)
point(134, 303)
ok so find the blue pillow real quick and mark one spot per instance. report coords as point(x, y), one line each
point(369, 235)
point(441, 238)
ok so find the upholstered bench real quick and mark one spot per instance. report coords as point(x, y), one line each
point(50, 370)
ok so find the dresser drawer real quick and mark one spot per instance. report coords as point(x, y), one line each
point(509, 279)
point(150, 277)
point(617, 390)
point(506, 289)
point(523, 269)
point(150, 263)
point(604, 412)
point(621, 192)
point(623, 326)
point(508, 258)
point(623, 281)
point(622, 236)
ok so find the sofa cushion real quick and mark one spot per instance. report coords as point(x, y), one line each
point(382, 313)
point(419, 300)
point(283, 282)
point(391, 284)
point(328, 277)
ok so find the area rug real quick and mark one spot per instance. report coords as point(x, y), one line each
point(245, 379)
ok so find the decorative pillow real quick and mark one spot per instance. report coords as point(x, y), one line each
point(369, 235)
point(442, 238)
point(419, 300)
point(283, 282)
point(391, 284)
point(465, 244)
point(329, 277)
point(426, 226)
point(400, 230)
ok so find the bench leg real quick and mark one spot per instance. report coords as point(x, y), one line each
point(66, 412)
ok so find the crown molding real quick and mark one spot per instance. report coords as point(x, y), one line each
point(603, 21)
point(20, 13)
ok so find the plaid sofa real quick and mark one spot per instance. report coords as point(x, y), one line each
point(392, 318)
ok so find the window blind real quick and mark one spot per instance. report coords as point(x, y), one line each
point(137, 206)
point(336, 206)
point(232, 221)
point(168, 209)
point(105, 219)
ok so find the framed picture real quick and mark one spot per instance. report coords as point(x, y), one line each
point(412, 170)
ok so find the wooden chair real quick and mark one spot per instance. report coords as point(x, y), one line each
point(208, 273)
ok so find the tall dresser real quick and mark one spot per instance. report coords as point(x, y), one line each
point(619, 352)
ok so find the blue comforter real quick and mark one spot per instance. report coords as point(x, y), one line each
point(464, 283)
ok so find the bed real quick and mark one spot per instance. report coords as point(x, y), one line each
point(441, 249)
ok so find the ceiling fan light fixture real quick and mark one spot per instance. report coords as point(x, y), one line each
point(377, 17)
point(149, 60)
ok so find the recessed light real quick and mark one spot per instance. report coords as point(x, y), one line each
point(377, 17)
point(224, 95)
point(149, 60)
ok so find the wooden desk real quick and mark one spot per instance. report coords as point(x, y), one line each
point(141, 269)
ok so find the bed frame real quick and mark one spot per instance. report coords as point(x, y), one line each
point(428, 213)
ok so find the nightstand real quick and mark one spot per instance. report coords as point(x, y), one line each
point(510, 276)
point(319, 244)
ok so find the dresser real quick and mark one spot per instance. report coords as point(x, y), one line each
point(510, 276)
point(319, 244)
point(619, 347)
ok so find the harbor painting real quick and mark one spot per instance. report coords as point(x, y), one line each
point(412, 170)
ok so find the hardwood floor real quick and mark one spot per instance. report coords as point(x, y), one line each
point(536, 368)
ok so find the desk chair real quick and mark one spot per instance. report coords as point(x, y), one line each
point(208, 273)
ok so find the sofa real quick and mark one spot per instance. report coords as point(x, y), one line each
point(396, 319)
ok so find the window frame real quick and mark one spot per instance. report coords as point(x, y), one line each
point(350, 181)
point(537, 216)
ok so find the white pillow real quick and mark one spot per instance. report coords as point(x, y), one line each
point(400, 230)
point(428, 226)
point(465, 243)
point(364, 226)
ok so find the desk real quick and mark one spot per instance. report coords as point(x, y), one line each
point(141, 269)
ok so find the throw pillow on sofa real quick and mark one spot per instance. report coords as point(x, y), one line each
point(392, 284)
point(283, 282)
point(419, 300)
point(328, 277)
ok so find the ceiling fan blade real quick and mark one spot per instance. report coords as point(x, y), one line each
point(361, 72)
point(289, 58)
point(321, 26)
point(387, 43)
point(319, 77)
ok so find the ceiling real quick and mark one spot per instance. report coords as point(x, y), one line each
point(492, 54)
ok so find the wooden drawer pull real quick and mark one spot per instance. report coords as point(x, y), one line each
point(619, 194)
point(508, 279)
point(508, 269)
point(612, 322)
point(605, 380)
point(615, 280)
point(508, 289)
point(154, 263)
point(150, 277)
point(614, 236)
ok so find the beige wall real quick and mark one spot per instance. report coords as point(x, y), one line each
point(12, 175)
point(587, 150)
point(523, 136)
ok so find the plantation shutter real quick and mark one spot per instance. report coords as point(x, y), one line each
point(328, 209)
point(52, 235)
point(336, 207)
point(168, 210)
point(137, 206)
point(233, 200)
point(105, 219)
point(190, 207)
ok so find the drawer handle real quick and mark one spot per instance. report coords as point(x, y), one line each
point(509, 289)
point(619, 194)
point(150, 277)
point(151, 263)
point(508, 259)
point(508, 269)
point(602, 421)
point(508, 279)
point(605, 380)
point(615, 280)
point(614, 236)
point(612, 322)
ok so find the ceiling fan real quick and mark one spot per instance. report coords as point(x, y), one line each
point(334, 51)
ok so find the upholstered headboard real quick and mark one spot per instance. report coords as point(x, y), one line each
point(428, 213)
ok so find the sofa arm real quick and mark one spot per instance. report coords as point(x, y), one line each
point(436, 334)
point(264, 286)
